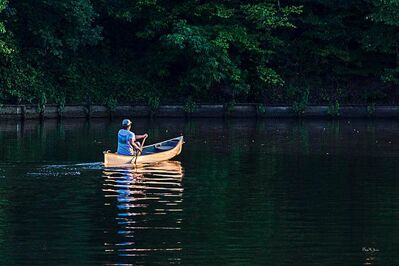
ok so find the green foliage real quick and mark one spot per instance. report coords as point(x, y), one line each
point(42, 37)
point(42, 102)
point(190, 106)
point(383, 37)
point(60, 100)
point(261, 108)
point(5, 48)
point(65, 27)
point(299, 107)
point(269, 76)
point(266, 16)
point(371, 108)
point(112, 103)
point(153, 102)
point(333, 109)
point(230, 106)
point(339, 45)
point(385, 11)
point(301, 98)
point(215, 51)
point(212, 46)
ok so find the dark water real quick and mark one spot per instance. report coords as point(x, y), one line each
point(243, 192)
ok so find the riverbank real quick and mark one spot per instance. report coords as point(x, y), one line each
point(205, 110)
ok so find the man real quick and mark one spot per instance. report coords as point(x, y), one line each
point(127, 144)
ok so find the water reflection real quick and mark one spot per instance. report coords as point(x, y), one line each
point(149, 203)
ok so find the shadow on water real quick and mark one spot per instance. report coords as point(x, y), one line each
point(149, 200)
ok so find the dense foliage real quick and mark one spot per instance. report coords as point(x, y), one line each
point(271, 51)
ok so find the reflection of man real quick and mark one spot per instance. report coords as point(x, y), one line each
point(126, 139)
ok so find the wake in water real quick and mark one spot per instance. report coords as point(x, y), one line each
point(65, 169)
point(84, 166)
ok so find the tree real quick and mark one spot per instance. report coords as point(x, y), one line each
point(47, 36)
point(4, 46)
point(203, 49)
point(383, 35)
point(278, 51)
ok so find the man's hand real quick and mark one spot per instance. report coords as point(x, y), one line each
point(145, 135)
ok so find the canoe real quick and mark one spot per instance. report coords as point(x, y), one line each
point(157, 152)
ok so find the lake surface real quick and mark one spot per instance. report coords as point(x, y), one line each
point(243, 192)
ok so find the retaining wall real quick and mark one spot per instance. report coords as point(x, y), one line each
point(203, 110)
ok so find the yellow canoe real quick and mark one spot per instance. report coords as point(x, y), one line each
point(157, 152)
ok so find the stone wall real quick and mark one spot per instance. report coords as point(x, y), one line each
point(203, 110)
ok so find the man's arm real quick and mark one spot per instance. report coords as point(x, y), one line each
point(141, 136)
point(134, 144)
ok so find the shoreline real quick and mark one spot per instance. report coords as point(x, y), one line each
point(22, 112)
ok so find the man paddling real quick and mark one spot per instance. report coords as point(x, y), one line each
point(127, 144)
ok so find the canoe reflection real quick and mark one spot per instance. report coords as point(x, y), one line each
point(149, 207)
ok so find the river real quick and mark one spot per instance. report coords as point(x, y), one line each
point(242, 192)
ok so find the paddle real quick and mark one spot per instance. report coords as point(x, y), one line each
point(141, 148)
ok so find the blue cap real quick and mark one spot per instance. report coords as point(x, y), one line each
point(126, 122)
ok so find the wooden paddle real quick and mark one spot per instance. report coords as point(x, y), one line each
point(141, 148)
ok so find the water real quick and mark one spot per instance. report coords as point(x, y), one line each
point(243, 192)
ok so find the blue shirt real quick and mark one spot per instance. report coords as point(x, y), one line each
point(124, 146)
